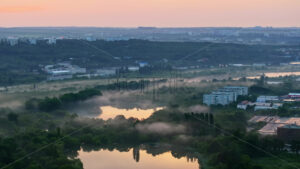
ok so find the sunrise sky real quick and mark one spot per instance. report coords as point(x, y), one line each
point(160, 13)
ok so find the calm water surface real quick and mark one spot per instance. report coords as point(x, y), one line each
point(112, 112)
point(134, 159)
point(274, 74)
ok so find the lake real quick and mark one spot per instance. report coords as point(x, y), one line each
point(108, 112)
point(135, 158)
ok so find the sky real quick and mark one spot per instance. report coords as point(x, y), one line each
point(159, 13)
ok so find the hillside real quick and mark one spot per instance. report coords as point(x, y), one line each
point(21, 60)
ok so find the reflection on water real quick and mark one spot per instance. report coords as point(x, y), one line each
point(112, 112)
point(135, 158)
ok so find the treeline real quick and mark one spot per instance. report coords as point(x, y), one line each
point(125, 85)
point(288, 85)
point(132, 50)
point(130, 85)
point(50, 104)
point(146, 70)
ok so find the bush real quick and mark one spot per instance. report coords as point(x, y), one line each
point(12, 117)
point(32, 104)
point(80, 96)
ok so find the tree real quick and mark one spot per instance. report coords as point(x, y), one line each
point(261, 81)
point(12, 117)
point(206, 117)
point(211, 118)
point(31, 104)
point(49, 104)
point(295, 146)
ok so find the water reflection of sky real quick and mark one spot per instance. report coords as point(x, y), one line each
point(134, 159)
point(272, 75)
point(111, 112)
point(276, 74)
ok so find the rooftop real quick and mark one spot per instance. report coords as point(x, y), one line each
point(297, 94)
point(291, 126)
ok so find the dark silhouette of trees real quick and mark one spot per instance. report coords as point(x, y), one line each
point(13, 117)
point(295, 146)
point(49, 104)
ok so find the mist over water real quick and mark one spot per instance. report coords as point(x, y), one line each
point(112, 104)
point(161, 128)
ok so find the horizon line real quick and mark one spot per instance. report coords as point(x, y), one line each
point(156, 27)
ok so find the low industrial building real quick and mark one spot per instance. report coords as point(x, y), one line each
point(63, 71)
point(267, 99)
point(289, 132)
point(266, 106)
point(60, 75)
point(106, 72)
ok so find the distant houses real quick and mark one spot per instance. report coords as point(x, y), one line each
point(51, 41)
point(262, 103)
point(12, 41)
point(143, 64)
point(133, 68)
point(295, 96)
point(62, 71)
point(225, 95)
point(229, 94)
point(270, 102)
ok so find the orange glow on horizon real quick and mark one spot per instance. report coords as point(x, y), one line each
point(161, 13)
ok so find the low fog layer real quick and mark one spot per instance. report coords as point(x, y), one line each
point(122, 100)
point(161, 128)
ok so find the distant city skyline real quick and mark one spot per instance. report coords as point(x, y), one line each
point(156, 13)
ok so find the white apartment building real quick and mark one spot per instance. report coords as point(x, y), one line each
point(224, 96)
point(241, 90)
point(216, 98)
